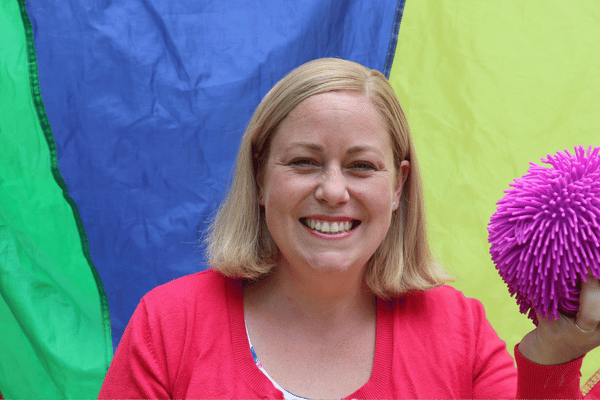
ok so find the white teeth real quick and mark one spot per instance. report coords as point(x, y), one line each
point(327, 227)
point(334, 227)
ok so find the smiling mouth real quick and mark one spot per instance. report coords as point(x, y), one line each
point(329, 226)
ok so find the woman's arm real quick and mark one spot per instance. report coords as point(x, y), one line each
point(556, 343)
point(563, 340)
point(137, 370)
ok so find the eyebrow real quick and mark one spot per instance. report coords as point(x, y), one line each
point(308, 145)
point(319, 148)
point(360, 149)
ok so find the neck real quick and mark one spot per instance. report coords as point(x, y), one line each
point(310, 297)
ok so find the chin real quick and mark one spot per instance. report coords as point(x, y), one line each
point(335, 265)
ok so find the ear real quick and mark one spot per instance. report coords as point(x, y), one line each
point(401, 180)
point(261, 198)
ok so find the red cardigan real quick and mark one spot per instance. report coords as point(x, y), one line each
point(187, 339)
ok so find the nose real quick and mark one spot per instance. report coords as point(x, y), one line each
point(332, 188)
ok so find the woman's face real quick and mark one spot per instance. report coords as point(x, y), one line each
point(329, 183)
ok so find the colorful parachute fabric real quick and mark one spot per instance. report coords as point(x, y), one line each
point(146, 101)
point(489, 86)
point(54, 329)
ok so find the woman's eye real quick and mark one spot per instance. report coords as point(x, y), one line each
point(362, 166)
point(303, 162)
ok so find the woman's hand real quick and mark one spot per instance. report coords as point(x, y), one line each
point(564, 340)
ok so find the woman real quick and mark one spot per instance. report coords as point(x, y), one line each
point(322, 283)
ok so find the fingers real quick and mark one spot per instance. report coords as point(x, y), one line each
point(588, 317)
point(562, 340)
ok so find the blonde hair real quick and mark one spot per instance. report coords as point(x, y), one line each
point(240, 245)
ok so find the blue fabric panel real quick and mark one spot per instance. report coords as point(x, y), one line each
point(148, 99)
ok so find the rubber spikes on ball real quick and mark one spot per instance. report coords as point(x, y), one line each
point(545, 233)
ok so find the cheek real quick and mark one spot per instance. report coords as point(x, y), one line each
point(286, 183)
point(376, 195)
point(285, 193)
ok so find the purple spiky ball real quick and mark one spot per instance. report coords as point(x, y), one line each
point(545, 233)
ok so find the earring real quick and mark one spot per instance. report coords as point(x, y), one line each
point(394, 205)
point(261, 199)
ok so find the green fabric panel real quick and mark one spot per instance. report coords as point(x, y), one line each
point(54, 318)
point(489, 86)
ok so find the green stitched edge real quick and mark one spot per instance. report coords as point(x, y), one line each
point(45, 125)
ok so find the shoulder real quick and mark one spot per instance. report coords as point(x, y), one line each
point(202, 292)
point(454, 325)
point(173, 325)
point(442, 297)
point(204, 282)
point(171, 312)
point(441, 304)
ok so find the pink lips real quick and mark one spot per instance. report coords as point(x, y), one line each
point(331, 236)
point(328, 218)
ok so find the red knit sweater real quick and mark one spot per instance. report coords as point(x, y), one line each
point(187, 339)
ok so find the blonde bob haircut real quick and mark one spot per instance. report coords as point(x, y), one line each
point(240, 245)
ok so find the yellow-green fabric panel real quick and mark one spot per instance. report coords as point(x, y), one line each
point(489, 86)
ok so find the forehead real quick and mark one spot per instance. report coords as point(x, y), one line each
point(333, 116)
point(340, 101)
